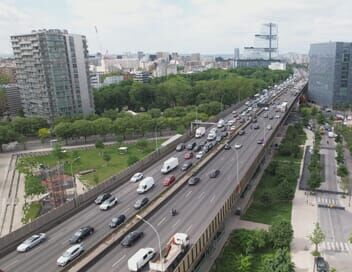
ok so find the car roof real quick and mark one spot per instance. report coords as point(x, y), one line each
point(72, 248)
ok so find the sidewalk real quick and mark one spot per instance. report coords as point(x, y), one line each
point(304, 216)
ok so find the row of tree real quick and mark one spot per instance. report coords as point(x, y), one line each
point(315, 178)
point(225, 86)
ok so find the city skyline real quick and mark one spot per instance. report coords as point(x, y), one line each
point(183, 26)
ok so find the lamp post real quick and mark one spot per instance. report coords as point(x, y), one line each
point(74, 178)
point(157, 235)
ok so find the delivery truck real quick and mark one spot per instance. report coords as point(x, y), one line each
point(169, 165)
point(200, 132)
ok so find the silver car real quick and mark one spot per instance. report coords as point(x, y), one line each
point(70, 254)
point(31, 242)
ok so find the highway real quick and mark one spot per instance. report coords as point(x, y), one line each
point(43, 257)
point(196, 205)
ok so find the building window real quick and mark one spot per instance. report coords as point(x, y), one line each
point(343, 90)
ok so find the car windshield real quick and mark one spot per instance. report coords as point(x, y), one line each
point(31, 239)
point(114, 220)
point(77, 233)
point(67, 253)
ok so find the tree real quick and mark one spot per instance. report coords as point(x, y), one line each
point(142, 144)
point(106, 157)
point(285, 191)
point(279, 262)
point(32, 186)
point(281, 234)
point(43, 133)
point(103, 126)
point(242, 262)
point(83, 128)
point(7, 134)
point(64, 130)
point(99, 144)
point(316, 238)
point(132, 159)
point(58, 152)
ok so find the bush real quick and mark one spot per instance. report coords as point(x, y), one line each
point(342, 171)
point(285, 191)
point(142, 144)
point(33, 186)
point(266, 198)
point(281, 234)
point(132, 159)
point(99, 144)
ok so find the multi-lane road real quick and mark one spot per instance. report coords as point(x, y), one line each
point(196, 205)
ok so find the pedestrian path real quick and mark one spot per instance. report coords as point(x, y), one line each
point(336, 246)
point(327, 200)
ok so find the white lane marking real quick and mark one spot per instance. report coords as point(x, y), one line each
point(212, 199)
point(119, 260)
point(174, 225)
point(188, 193)
point(125, 211)
point(331, 225)
point(189, 229)
point(9, 265)
point(201, 195)
point(161, 221)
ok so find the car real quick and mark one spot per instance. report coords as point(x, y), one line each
point(198, 148)
point(210, 145)
point(242, 120)
point(100, 199)
point(238, 146)
point(268, 127)
point(169, 180)
point(260, 141)
point(190, 146)
point(188, 155)
point(277, 116)
point(227, 146)
point(271, 117)
point(31, 242)
point(322, 265)
point(186, 166)
point(255, 126)
point(200, 154)
point(202, 143)
point(131, 238)
point(140, 203)
point(180, 147)
point(205, 148)
point(117, 220)
point(80, 234)
point(241, 132)
point(214, 173)
point(218, 139)
point(193, 181)
point(223, 129)
point(225, 134)
point(266, 115)
point(232, 128)
point(109, 203)
point(230, 122)
point(137, 177)
point(70, 254)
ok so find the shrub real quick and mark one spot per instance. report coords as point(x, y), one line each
point(281, 234)
point(132, 159)
point(99, 144)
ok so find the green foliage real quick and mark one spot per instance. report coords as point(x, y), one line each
point(7, 135)
point(30, 212)
point(26, 165)
point(317, 236)
point(142, 144)
point(106, 157)
point(58, 152)
point(266, 198)
point(342, 171)
point(132, 159)
point(99, 144)
point(3, 103)
point(279, 262)
point(43, 133)
point(32, 186)
point(64, 130)
point(28, 126)
point(4, 79)
point(281, 234)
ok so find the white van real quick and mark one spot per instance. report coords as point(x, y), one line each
point(220, 123)
point(211, 136)
point(140, 258)
point(145, 185)
point(200, 132)
point(169, 165)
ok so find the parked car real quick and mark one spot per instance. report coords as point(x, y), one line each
point(131, 238)
point(169, 180)
point(70, 254)
point(188, 155)
point(117, 220)
point(141, 202)
point(82, 233)
point(109, 203)
point(31, 242)
point(100, 199)
point(200, 154)
point(190, 146)
point(137, 177)
point(180, 147)
point(214, 173)
point(193, 180)
point(186, 166)
point(322, 265)
point(238, 146)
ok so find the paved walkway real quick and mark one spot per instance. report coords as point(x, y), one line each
point(304, 216)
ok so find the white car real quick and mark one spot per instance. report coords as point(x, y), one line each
point(230, 122)
point(232, 128)
point(200, 155)
point(137, 177)
point(109, 203)
point(238, 146)
point(70, 254)
point(268, 127)
point(31, 242)
point(277, 116)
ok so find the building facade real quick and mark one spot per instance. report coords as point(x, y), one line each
point(52, 74)
point(330, 74)
point(13, 99)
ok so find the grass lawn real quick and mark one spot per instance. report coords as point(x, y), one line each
point(93, 159)
point(30, 212)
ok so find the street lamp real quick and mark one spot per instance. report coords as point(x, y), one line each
point(157, 235)
point(74, 178)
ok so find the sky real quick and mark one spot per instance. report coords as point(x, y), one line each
point(184, 26)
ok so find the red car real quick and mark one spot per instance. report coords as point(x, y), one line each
point(169, 180)
point(188, 155)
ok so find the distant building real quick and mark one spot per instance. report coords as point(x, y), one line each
point(277, 66)
point(330, 74)
point(195, 57)
point(13, 99)
point(141, 76)
point(8, 68)
point(52, 73)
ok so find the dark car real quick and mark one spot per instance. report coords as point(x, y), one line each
point(322, 265)
point(260, 141)
point(180, 147)
point(131, 238)
point(198, 148)
point(210, 145)
point(271, 117)
point(202, 143)
point(116, 221)
point(141, 202)
point(205, 148)
point(214, 173)
point(224, 129)
point(169, 180)
point(188, 155)
point(186, 166)
point(255, 126)
point(190, 146)
point(193, 181)
point(218, 139)
point(100, 199)
point(242, 120)
point(241, 132)
point(227, 147)
point(225, 134)
point(81, 234)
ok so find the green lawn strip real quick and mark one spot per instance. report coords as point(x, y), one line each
point(30, 212)
point(93, 159)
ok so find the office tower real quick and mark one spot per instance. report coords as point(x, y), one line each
point(52, 73)
point(330, 74)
